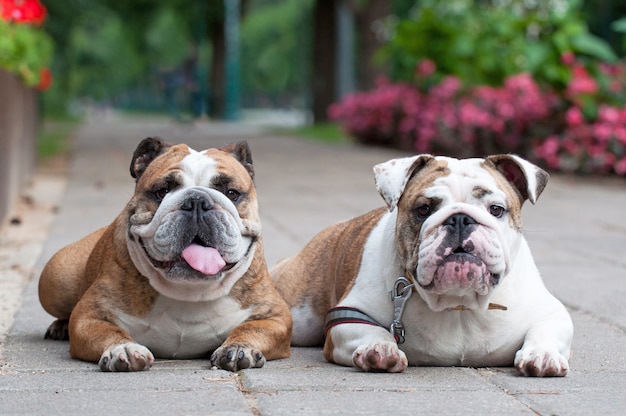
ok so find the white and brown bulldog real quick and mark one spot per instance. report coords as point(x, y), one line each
point(180, 273)
point(452, 233)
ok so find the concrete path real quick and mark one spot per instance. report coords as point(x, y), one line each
point(577, 232)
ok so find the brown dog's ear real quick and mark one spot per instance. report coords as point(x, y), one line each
point(145, 153)
point(241, 151)
point(528, 179)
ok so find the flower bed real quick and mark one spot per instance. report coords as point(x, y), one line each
point(581, 129)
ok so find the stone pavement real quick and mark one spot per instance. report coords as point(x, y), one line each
point(577, 232)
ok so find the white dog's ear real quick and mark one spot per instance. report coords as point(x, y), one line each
point(391, 177)
point(527, 178)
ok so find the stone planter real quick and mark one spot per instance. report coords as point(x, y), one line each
point(18, 138)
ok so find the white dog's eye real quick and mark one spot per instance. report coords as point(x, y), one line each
point(497, 211)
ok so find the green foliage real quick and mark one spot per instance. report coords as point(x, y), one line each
point(24, 50)
point(109, 47)
point(271, 45)
point(168, 39)
point(102, 60)
point(620, 26)
point(485, 44)
point(324, 132)
point(53, 137)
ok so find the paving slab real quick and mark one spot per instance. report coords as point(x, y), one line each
point(577, 232)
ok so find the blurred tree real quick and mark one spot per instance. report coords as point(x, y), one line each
point(371, 28)
point(101, 57)
point(323, 83)
point(168, 39)
point(288, 48)
point(98, 37)
point(369, 16)
point(275, 38)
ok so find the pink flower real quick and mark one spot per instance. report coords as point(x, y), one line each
point(571, 146)
point(568, 58)
point(548, 151)
point(425, 68)
point(620, 167)
point(602, 131)
point(574, 116)
point(609, 114)
point(581, 82)
point(596, 150)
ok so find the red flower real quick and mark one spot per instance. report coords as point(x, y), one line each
point(23, 11)
point(45, 79)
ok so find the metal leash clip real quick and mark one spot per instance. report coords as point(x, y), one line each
point(402, 291)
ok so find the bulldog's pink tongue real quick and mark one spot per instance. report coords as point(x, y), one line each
point(206, 260)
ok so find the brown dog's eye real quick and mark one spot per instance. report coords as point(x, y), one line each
point(232, 195)
point(423, 211)
point(497, 211)
point(160, 193)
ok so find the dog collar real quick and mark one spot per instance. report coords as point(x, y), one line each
point(491, 306)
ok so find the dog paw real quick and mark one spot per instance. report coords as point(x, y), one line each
point(534, 362)
point(126, 357)
point(236, 357)
point(58, 330)
point(382, 356)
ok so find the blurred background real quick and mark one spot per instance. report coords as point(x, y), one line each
point(542, 78)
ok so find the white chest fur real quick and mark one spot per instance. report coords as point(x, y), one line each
point(176, 329)
point(480, 338)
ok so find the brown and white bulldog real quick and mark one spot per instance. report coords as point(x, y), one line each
point(180, 273)
point(441, 276)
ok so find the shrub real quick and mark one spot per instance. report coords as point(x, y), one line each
point(582, 129)
point(25, 49)
point(592, 138)
point(484, 44)
point(448, 117)
point(506, 77)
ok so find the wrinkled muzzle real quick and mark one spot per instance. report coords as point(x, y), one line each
point(196, 229)
point(460, 256)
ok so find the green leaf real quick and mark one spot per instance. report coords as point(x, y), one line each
point(536, 55)
point(593, 46)
point(619, 25)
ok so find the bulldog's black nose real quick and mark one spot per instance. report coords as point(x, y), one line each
point(460, 224)
point(197, 204)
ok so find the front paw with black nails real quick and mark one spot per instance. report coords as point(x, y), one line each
point(126, 357)
point(235, 357)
